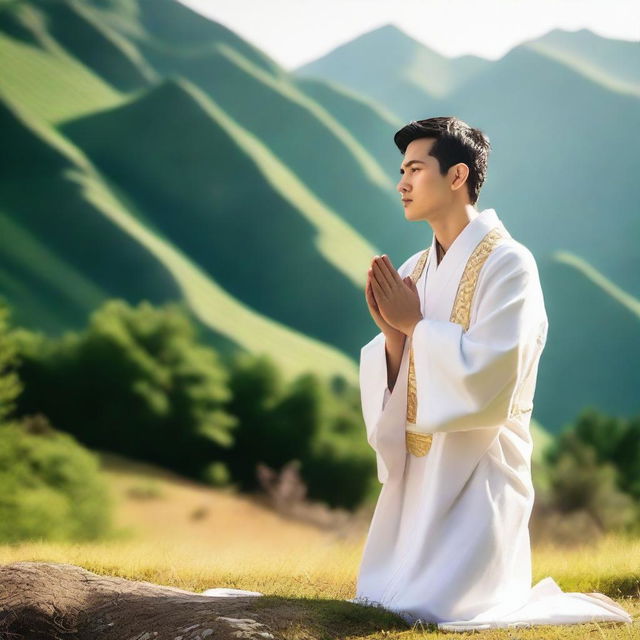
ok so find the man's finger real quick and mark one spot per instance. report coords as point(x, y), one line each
point(390, 269)
point(371, 298)
point(379, 278)
point(384, 276)
point(368, 289)
point(378, 291)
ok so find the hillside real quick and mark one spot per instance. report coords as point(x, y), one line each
point(62, 225)
point(613, 63)
point(392, 68)
point(592, 346)
point(54, 280)
point(189, 181)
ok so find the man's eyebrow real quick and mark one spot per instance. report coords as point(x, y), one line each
point(411, 162)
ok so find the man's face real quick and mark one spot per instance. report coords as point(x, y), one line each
point(422, 183)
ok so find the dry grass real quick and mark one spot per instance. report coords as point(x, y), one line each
point(183, 534)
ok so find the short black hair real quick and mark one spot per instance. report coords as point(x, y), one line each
point(456, 141)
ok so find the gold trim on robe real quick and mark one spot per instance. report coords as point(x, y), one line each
point(419, 443)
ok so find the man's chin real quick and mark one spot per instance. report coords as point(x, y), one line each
point(413, 214)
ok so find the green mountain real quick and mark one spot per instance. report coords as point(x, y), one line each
point(390, 67)
point(70, 242)
point(575, 172)
point(592, 346)
point(60, 258)
point(612, 63)
point(142, 130)
point(198, 179)
point(39, 74)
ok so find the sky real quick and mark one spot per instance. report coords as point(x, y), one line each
point(294, 32)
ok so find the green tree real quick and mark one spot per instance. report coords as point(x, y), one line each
point(10, 385)
point(311, 420)
point(579, 480)
point(616, 440)
point(50, 487)
point(136, 382)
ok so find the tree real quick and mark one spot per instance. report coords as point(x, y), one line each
point(135, 382)
point(50, 486)
point(615, 440)
point(578, 480)
point(10, 384)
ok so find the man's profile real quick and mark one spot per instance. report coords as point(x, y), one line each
point(447, 390)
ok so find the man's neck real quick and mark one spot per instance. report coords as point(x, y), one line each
point(449, 226)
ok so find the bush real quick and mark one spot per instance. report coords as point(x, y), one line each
point(616, 440)
point(579, 480)
point(50, 487)
point(135, 382)
point(10, 385)
point(314, 421)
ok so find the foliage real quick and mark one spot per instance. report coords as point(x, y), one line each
point(312, 420)
point(136, 382)
point(50, 487)
point(590, 468)
point(615, 440)
point(10, 385)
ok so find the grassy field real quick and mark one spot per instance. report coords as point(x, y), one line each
point(176, 532)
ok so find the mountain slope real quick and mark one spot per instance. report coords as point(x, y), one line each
point(104, 50)
point(395, 70)
point(40, 75)
point(592, 346)
point(51, 232)
point(560, 174)
point(190, 180)
point(612, 63)
point(77, 244)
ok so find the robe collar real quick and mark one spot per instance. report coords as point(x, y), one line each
point(442, 282)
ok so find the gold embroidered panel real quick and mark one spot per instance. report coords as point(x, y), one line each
point(461, 311)
point(419, 443)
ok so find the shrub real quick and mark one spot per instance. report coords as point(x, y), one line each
point(50, 487)
point(578, 480)
point(136, 382)
point(311, 420)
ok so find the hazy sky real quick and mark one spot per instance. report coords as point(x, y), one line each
point(293, 32)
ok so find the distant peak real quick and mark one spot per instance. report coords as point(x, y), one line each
point(390, 27)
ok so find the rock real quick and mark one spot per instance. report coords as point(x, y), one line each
point(57, 601)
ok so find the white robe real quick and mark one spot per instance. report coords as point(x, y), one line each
point(449, 539)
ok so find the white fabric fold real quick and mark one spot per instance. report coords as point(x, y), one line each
point(466, 380)
point(547, 604)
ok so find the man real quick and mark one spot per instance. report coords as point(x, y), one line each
point(447, 392)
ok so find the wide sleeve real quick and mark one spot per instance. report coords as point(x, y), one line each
point(385, 431)
point(467, 380)
point(384, 420)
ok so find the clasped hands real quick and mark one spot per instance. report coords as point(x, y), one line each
point(394, 300)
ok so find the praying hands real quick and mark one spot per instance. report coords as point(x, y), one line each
point(394, 302)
